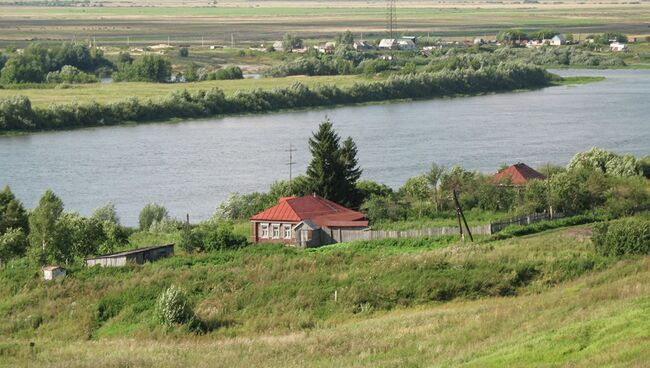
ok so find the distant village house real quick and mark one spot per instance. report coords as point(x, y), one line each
point(518, 174)
point(618, 47)
point(308, 221)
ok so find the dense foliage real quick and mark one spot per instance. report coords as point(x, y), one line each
point(620, 237)
point(148, 68)
point(36, 61)
point(18, 114)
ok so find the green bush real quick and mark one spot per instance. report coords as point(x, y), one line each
point(172, 308)
point(152, 213)
point(620, 237)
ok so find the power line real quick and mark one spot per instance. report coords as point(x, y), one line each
point(291, 163)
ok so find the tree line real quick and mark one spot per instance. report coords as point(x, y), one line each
point(17, 113)
point(36, 63)
point(595, 180)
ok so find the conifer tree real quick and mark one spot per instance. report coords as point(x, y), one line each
point(333, 171)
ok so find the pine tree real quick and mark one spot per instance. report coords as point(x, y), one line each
point(12, 212)
point(333, 171)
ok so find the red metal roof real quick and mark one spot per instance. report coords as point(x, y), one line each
point(519, 174)
point(319, 210)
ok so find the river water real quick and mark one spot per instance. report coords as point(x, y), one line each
point(190, 167)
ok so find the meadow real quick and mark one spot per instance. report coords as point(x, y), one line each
point(545, 299)
point(114, 92)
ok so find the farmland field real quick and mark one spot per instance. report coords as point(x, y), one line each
point(257, 22)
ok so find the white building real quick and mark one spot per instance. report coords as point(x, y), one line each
point(389, 44)
point(618, 46)
point(52, 272)
point(326, 47)
point(407, 45)
point(558, 40)
point(362, 46)
point(278, 46)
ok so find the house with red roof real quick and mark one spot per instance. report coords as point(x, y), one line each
point(307, 221)
point(517, 175)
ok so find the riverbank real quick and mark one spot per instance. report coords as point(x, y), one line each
point(17, 114)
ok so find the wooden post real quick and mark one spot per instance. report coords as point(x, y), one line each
point(459, 210)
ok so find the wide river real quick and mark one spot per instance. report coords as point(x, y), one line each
point(192, 166)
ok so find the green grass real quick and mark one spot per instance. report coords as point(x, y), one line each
point(473, 218)
point(569, 81)
point(544, 299)
point(113, 92)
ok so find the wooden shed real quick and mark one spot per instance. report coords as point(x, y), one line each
point(137, 256)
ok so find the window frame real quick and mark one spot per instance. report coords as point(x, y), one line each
point(275, 227)
point(287, 228)
point(264, 229)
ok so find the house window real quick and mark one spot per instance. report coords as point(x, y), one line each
point(276, 231)
point(287, 231)
point(265, 231)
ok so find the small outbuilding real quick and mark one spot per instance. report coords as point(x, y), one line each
point(52, 272)
point(137, 256)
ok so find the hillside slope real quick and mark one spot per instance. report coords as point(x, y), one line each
point(540, 300)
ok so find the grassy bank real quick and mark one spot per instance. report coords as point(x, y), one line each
point(542, 299)
point(115, 92)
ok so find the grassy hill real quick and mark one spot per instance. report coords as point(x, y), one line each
point(543, 299)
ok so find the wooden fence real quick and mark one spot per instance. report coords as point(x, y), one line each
point(495, 227)
point(342, 235)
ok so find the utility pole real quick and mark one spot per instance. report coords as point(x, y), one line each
point(459, 213)
point(232, 41)
point(202, 44)
point(391, 15)
point(291, 163)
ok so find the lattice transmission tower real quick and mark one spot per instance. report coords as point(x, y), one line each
point(391, 17)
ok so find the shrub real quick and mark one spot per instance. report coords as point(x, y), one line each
point(223, 237)
point(151, 213)
point(70, 74)
point(183, 52)
point(230, 72)
point(172, 308)
point(620, 237)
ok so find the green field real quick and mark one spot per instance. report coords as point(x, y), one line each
point(112, 92)
point(256, 23)
point(541, 300)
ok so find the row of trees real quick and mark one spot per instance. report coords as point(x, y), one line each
point(48, 234)
point(593, 180)
point(36, 61)
point(16, 113)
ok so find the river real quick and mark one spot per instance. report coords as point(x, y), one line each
point(192, 166)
